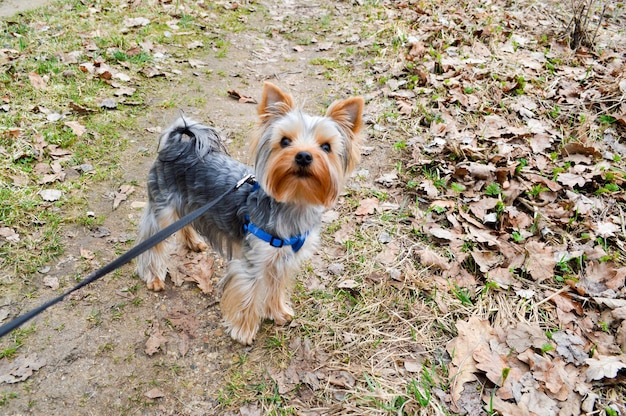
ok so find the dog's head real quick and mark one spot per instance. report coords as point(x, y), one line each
point(301, 158)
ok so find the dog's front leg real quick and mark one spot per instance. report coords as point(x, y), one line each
point(256, 287)
point(242, 300)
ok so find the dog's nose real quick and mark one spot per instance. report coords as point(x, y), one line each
point(304, 159)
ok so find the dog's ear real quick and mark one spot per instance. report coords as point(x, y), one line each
point(274, 102)
point(348, 113)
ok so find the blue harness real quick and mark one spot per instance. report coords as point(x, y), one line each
point(296, 242)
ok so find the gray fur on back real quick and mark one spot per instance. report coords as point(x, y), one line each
point(192, 169)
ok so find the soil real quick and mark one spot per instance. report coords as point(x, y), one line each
point(94, 343)
point(11, 7)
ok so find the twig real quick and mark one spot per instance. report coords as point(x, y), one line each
point(558, 292)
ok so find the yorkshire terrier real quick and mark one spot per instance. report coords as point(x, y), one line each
point(266, 229)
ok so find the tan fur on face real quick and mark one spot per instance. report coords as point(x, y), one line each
point(323, 180)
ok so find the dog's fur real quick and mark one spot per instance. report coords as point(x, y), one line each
point(301, 162)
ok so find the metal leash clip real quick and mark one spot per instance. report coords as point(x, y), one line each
point(249, 178)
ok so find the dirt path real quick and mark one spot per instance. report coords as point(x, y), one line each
point(11, 7)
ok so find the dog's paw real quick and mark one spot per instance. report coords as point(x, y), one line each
point(155, 284)
point(243, 336)
point(282, 316)
point(199, 247)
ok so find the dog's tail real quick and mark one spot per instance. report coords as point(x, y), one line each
point(203, 139)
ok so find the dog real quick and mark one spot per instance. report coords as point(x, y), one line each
point(265, 229)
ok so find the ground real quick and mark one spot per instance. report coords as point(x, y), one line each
point(474, 264)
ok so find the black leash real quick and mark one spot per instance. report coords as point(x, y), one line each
point(126, 257)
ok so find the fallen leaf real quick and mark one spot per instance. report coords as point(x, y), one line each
point(155, 393)
point(108, 104)
point(50, 195)
point(195, 44)
point(388, 179)
point(183, 320)
point(572, 179)
point(606, 229)
point(430, 258)
point(240, 97)
point(251, 409)
point(604, 366)
point(20, 369)
point(51, 282)
point(136, 22)
point(348, 284)
point(156, 340)
point(80, 109)
point(9, 234)
point(579, 148)
point(86, 254)
point(343, 234)
point(472, 334)
point(524, 336)
point(540, 261)
point(122, 195)
point(367, 206)
point(37, 81)
point(194, 63)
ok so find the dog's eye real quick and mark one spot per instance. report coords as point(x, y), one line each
point(326, 147)
point(285, 142)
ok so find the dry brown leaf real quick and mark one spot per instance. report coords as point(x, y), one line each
point(607, 229)
point(486, 260)
point(538, 402)
point(87, 254)
point(343, 234)
point(565, 303)
point(76, 127)
point(367, 206)
point(572, 179)
point(551, 372)
point(155, 393)
point(430, 258)
point(524, 336)
point(482, 206)
point(540, 142)
point(19, 369)
point(505, 407)
point(405, 106)
point(492, 363)
point(183, 320)
point(599, 278)
point(389, 254)
point(579, 148)
point(472, 334)
point(131, 22)
point(9, 234)
point(540, 261)
point(553, 186)
point(156, 341)
point(241, 98)
point(251, 409)
point(604, 366)
point(429, 187)
point(37, 81)
point(122, 195)
point(80, 109)
point(444, 234)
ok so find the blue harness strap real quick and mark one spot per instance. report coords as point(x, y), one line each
point(295, 242)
